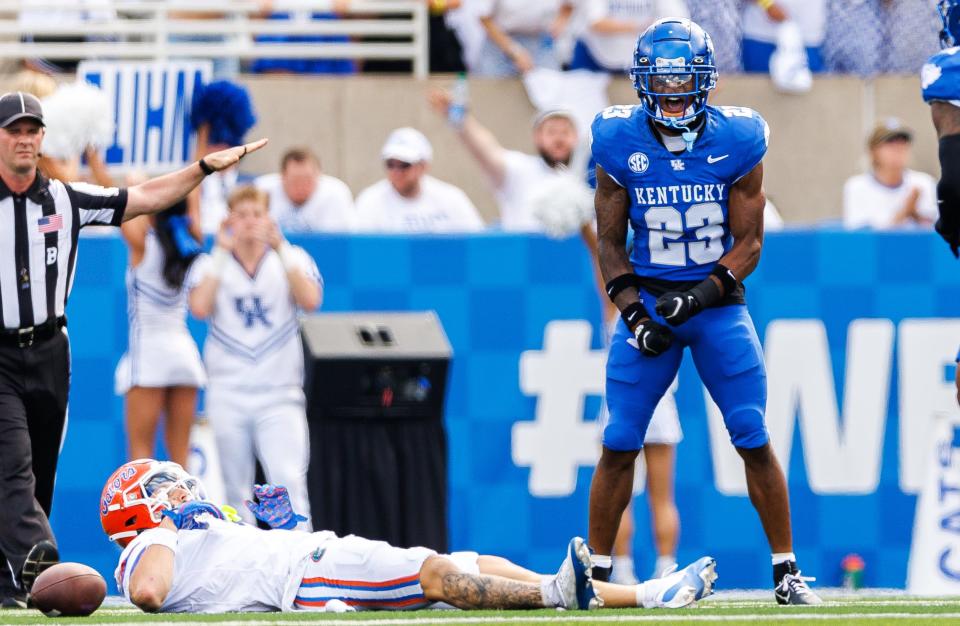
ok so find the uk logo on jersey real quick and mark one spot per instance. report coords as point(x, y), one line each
point(252, 311)
point(638, 162)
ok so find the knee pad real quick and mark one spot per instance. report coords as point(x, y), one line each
point(624, 437)
point(747, 428)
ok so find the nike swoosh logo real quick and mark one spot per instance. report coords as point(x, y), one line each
point(631, 316)
point(711, 159)
point(679, 302)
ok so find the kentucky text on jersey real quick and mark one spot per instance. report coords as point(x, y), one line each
point(679, 202)
point(673, 194)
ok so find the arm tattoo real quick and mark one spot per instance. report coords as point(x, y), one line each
point(612, 205)
point(468, 591)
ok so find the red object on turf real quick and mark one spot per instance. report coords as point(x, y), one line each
point(68, 589)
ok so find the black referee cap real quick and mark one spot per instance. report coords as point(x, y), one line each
point(17, 105)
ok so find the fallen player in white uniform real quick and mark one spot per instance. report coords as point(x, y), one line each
point(185, 554)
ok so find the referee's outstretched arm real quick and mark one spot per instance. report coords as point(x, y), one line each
point(162, 192)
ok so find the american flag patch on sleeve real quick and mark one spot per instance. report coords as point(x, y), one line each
point(50, 223)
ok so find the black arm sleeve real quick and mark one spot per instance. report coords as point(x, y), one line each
point(948, 189)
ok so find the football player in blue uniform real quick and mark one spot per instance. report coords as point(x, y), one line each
point(940, 79)
point(688, 178)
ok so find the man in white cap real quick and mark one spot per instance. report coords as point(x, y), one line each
point(408, 200)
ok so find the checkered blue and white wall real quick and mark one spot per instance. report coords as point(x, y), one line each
point(859, 340)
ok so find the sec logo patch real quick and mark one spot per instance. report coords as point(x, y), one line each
point(638, 162)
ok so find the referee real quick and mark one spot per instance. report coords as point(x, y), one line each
point(40, 220)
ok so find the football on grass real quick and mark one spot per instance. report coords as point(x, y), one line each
point(68, 589)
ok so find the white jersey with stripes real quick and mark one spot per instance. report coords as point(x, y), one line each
point(253, 341)
point(229, 567)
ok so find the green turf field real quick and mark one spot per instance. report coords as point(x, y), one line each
point(729, 608)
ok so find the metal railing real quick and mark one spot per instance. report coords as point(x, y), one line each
point(144, 29)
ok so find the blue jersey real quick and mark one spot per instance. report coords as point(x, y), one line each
point(679, 202)
point(940, 76)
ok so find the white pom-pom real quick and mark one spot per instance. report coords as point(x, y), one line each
point(77, 115)
point(563, 204)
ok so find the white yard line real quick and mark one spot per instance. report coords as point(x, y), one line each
point(728, 604)
point(590, 618)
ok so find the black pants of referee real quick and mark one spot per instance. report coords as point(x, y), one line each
point(34, 383)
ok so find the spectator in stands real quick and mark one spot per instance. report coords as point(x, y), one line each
point(408, 200)
point(877, 36)
point(611, 29)
point(517, 177)
point(721, 18)
point(889, 195)
point(86, 11)
point(31, 81)
point(304, 66)
point(224, 67)
point(465, 22)
point(446, 52)
point(762, 20)
point(520, 35)
point(303, 198)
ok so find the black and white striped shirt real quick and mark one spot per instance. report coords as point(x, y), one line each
point(38, 244)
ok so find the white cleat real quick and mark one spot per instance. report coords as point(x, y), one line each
point(573, 580)
point(683, 588)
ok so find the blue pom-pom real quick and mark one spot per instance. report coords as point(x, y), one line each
point(227, 108)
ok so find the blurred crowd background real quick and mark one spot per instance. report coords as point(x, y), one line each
point(837, 82)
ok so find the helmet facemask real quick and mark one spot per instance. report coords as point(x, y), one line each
point(673, 93)
point(950, 16)
point(157, 485)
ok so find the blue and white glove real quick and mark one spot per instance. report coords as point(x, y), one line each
point(189, 516)
point(272, 507)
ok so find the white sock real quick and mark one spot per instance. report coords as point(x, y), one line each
point(623, 567)
point(601, 560)
point(549, 592)
point(783, 557)
point(664, 562)
point(645, 591)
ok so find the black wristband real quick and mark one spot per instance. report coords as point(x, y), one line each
point(207, 170)
point(634, 312)
point(621, 282)
point(707, 292)
point(727, 279)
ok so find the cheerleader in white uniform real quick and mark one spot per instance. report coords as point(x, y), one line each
point(162, 370)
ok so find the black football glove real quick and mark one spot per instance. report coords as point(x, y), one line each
point(678, 306)
point(651, 338)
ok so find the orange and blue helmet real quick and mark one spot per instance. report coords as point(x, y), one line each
point(136, 494)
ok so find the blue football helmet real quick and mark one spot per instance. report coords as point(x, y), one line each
point(674, 66)
point(950, 14)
